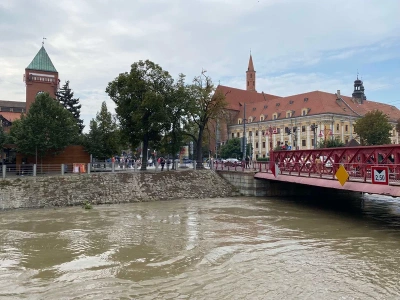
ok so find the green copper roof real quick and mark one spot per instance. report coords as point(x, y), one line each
point(42, 62)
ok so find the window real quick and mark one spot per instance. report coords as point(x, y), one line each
point(346, 128)
point(254, 83)
point(263, 144)
point(251, 75)
point(288, 114)
point(233, 135)
point(239, 121)
point(250, 120)
point(256, 132)
point(257, 145)
point(237, 134)
point(337, 126)
point(303, 143)
point(11, 109)
point(304, 112)
point(250, 133)
point(248, 83)
point(274, 117)
point(303, 128)
point(262, 118)
point(346, 141)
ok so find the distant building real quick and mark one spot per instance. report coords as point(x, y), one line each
point(298, 121)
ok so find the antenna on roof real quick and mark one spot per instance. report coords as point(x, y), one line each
point(357, 74)
point(43, 41)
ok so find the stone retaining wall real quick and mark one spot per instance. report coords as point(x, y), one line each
point(246, 183)
point(108, 188)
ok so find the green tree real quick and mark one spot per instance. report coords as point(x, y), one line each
point(330, 143)
point(66, 97)
point(3, 139)
point(141, 97)
point(103, 140)
point(231, 149)
point(206, 105)
point(47, 128)
point(373, 128)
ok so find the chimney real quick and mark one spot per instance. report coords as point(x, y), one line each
point(338, 93)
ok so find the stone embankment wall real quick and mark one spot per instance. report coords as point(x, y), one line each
point(110, 188)
point(246, 183)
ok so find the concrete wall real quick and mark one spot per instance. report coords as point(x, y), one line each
point(246, 184)
point(108, 188)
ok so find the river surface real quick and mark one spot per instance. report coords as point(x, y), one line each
point(231, 248)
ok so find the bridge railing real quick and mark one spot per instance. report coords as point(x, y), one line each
point(241, 166)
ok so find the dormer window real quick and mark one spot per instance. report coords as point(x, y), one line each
point(274, 116)
point(239, 121)
point(288, 114)
point(304, 111)
point(254, 108)
point(265, 106)
point(262, 118)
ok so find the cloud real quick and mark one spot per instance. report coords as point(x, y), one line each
point(292, 42)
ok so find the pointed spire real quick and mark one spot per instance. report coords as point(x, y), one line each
point(42, 62)
point(250, 67)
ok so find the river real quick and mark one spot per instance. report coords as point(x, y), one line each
point(231, 248)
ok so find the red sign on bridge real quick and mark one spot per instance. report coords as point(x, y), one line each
point(380, 175)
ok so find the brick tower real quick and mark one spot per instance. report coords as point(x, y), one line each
point(40, 77)
point(251, 76)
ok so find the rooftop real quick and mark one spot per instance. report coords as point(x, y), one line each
point(42, 62)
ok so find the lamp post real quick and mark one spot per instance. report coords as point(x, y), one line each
point(314, 128)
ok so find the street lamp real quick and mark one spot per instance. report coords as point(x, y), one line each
point(314, 128)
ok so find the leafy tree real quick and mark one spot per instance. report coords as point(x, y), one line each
point(46, 128)
point(103, 139)
point(231, 149)
point(206, 105)
point(3, 139)
point(330, 144)
point(373, 128)
point(141, 97)
point(66, 97)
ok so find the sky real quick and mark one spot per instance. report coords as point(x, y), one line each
point(297, 45)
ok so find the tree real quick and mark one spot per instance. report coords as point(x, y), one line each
point(231, 149)
point(46, 128)
point(66, 97)
point(206, 105)
point(373, 128)
point(103, 139)
point(330, 143)
point(141, 97)
point(3, 139)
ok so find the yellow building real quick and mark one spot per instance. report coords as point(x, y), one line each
point(298, 121)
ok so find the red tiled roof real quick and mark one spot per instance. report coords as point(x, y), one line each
point(10, 116)
point(236, 96)
point(315, 102)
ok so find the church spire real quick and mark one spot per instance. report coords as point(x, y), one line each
point(251, 76)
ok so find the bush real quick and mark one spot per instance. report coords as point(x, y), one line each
point(263, 159)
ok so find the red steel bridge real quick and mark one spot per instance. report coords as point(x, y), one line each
point(319, 167)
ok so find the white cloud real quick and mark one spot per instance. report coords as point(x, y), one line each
point(91, 42)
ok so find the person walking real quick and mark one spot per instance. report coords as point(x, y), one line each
point(162, 163)
point(247, 162)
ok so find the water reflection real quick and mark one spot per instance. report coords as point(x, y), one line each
point(240, 248)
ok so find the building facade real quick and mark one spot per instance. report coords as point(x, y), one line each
point(299, 121)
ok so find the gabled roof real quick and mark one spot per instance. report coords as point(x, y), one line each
point(10, 116)
point(236, 97)
point(315, 103)
point(42, 62)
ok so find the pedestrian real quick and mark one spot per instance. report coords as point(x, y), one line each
point(162, 163)
point(247, 162)
point(318, 164)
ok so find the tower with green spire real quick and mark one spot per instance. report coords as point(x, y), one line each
point(40, 77)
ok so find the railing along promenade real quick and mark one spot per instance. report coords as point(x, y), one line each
point(357, 162)
point(33, 170)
